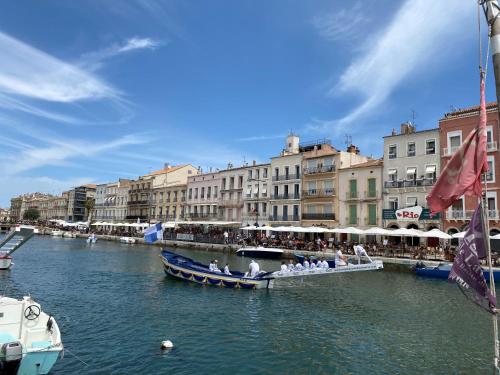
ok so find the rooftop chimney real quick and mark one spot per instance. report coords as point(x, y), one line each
point(166, 166)
point(394, 132)
point(352, 149)
point(407, 128)
point(254, 163)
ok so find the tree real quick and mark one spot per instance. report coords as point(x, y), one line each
point(89, 206)
point(31, 214)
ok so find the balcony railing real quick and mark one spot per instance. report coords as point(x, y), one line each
point(285, 196)
point(231, 202)
point(284, 218)
point(317, 193)
point(138, 203)
point(320, 169)
point(371, 194)
point(351, 195)
point(466, 215)
point(322, 216)
point(409, 183)
point(197, 215)
point(286, 177)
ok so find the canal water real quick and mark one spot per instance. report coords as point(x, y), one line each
point(115, 306)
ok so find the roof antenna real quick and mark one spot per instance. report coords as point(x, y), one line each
point(413, 117)
point(348, 140)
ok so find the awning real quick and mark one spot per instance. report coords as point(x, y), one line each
point(411, 171)
point(392, 171)
point(430, 169)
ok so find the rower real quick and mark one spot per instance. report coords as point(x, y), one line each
point(284, 268)
point(226, 270)
point(340, 259)
point(253, 268)
point(298, 267)
point(359, 251)
point(324, 264)
point(312, 266)
point(306, 264)
point(290, 265)
point(211, 266)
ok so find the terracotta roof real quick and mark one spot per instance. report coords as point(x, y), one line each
point(367, 164)
point(469, 110)
point(166, 170)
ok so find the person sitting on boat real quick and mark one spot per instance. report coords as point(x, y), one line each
point(312, 266)
point(226, 270)
point(290, 265)
point(211, 266)
point(340, 259)
point(323, 264)
point(284, 268)
point(306, 263)
point(298, 267)
point(253, 268)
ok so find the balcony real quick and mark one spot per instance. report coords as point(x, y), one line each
point(285, 196)
point(231, 188)
point(231, 203)
point(350, 195)
point(371, 194)
point(320, 169)
point(138, 203)
point(284, 218)
point(458, 215)
point(409, 183)
point(323, 216)
point(201, 216)
point(286, 177)
point(318, 193)
point(135, 217)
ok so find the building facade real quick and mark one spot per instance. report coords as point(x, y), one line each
point(454, 127)
point(411, 166)
point(256, 183)
point(360, 193)
point(230, 204)
point(77, 197)
point(203, 195)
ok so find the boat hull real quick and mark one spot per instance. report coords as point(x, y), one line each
point(260, 253)
point(437, 273)
point(5, 263)
point(211, 278)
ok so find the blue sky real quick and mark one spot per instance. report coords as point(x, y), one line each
point(91, 91)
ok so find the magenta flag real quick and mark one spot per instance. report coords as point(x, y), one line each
point(466, 270)
point(462, 173)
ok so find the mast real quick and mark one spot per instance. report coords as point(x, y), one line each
point(491, 11)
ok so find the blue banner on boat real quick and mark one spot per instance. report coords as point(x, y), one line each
point(153, 233)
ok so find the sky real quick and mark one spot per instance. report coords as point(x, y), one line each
point(91, 91)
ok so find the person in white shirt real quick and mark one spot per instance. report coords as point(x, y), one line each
point(340, 259)
point(226, 237)
point(226, 270)
point(324, 264)
point(306, 264)
point(284, 268)
point(359, 251)
point(298, 267)
point(312, 266)
point(254, 268)
point(215, 267)
point(211, 266)
point(290, 265)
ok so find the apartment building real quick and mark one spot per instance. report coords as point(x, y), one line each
point(203, 194)
point(257, 184)
point(360, 192)
point(454, 127)
point(231, 193)
point(77, 197)
point(411, 166)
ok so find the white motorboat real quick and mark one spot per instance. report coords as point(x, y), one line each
point(91, 239)
point(260, 252)
point(13, 241)
point(30, 339)
point(56, 233)
point(369, 266)
point(129, 240)
point(69, 235)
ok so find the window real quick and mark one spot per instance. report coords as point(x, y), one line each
point(195, 193)
point(249, 191)
point(393, 203)
point(328, 186)
point(223, 183)
point(411, 149)
point(372, 188)
point(454, 141)
point(491, 197)
point(311, 164)
point(353, 214)
point(372, 214)
point(285, 212)
point(265, 173)
point(240, 182)
point(295, 212)
point(393, 153)
point(276, 192)
point(311, 187)
point(249, 174)
point(276, 172)
point(411, 173)
point(411, 201)
point(296, 191)
point(489, 139)
point(249, 207)
point(202, 193)
point(430, 147)
point(285, 193)
point(311, 209)
point(430, 172)
point(264, 190)
point(209, 192)
point(328, 161)
point(287, 172)
point(297, 171)
point(490, 175)
point(264, 207)
point(215, 191)
point(393, 175)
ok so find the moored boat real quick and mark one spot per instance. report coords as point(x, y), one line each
point(12, 242)
point(442, 271)
point(260, 252)
point(5, 262)
point(187, 269)
point(30, 340)
point(69, 235)
point(56, 233)
point(129, 240)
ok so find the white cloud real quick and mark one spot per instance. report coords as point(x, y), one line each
point(93, 60)
point(416, 38)
point(261, 138)
point(345, 23)
point(29, 72)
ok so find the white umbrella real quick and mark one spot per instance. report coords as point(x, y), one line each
point(348, 230)
point(266, 227)
point(404, 232)
point(436, 233)
point(495, 237)
point(377, 231)
point(458, 235)
point(249, 227)
point(315, 230)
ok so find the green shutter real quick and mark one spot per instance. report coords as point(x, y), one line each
point(372, 214)
point(353, 188)
point(353, 214)
point(372, 191)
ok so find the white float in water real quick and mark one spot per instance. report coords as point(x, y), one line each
point(167, 344)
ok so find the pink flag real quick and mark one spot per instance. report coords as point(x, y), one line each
point(462, 173)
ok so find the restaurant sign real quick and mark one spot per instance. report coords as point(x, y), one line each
point(414, 213)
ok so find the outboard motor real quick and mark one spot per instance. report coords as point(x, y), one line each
point(11, 354)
